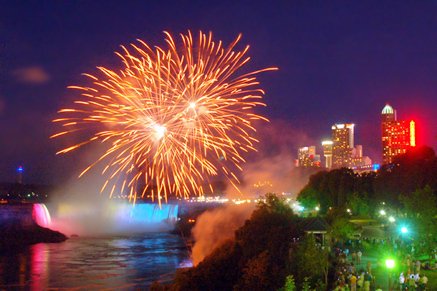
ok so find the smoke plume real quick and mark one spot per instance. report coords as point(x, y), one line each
point(272, 168)
point(213, 227)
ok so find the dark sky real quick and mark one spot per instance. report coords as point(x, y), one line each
point(340, 61)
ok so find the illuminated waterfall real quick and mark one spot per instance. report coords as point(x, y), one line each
point(41, 215)
point(147, 213)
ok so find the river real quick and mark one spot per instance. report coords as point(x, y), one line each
point(85, 263)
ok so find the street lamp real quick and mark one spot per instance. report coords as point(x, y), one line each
point(390, 264)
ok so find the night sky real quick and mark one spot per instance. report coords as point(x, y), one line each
point(339, 61)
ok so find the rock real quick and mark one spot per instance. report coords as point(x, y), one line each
point(17, 236)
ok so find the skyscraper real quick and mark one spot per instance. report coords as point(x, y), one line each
point(327, 152)
point(342, 144)
point(307, 157)
point(397, 135)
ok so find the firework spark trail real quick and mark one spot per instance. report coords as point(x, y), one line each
point(172, 118)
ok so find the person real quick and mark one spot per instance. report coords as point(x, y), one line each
point(423, 282)
point(360, 282)
point(353, 282)
point(367, 280)
point(369, 267)
point(418, 264)
point(411, 282)
point(402, 280)
point(416, 278)
point(359, 254)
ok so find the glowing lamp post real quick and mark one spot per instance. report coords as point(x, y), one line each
point(390, 264)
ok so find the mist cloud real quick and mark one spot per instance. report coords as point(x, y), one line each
point(214, 227)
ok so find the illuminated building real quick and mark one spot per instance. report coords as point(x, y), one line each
point(358, 161)
point(397, 135)
point(327, 153)
point(342, 144)
point(307, 157)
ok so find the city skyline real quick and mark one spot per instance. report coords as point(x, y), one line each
point(397, 137)
point(337, 63)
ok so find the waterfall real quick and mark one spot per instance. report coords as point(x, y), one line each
point(111, 217)
point(41, 215)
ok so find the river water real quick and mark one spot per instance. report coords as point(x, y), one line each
point(116, 262)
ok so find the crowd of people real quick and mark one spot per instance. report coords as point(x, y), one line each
point(412, 279)
point(352, 273)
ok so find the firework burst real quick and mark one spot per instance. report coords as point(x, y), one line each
point(171, 118)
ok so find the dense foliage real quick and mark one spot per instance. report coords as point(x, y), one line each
point(342, 188)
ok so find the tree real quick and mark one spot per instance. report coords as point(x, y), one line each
point(270, 228)
point(290, 285)
point(341, 228)
point(421, 209)
point(413, 170)
point(310, 261)
point(309, 198)
point(359, 204)
point(256, 274)
point(218, 271)
point(329, 189)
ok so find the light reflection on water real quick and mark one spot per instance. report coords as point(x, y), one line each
point(95, 263)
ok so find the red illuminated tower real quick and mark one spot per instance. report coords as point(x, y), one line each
point(397, 135)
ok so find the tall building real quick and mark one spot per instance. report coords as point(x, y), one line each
point(397, 135)
point(358, 161)
point(327, 153)
point(307, 157)
point(20, 171)
point(342, 144)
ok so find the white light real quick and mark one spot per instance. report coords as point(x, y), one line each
point(382, 212)
point(391, 219)
point(192, 105)
point(159, 131)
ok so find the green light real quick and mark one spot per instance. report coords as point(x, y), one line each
point(404, 229)
point(390, 263)
point(391, 219)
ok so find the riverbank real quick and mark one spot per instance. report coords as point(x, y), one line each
point(15, 236)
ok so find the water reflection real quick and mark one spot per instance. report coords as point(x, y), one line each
point(95, 263)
